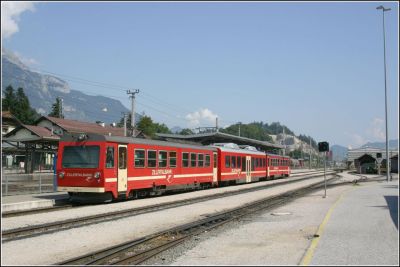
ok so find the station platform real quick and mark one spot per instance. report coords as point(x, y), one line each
point(32, 201)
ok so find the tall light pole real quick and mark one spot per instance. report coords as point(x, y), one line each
point(384, 63)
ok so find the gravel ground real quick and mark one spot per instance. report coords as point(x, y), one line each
point(59, 246)
point(277, 237)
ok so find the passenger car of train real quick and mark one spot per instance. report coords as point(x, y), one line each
point(93, 167)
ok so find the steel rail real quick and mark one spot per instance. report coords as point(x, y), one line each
point(140, 250)
point(35, 230)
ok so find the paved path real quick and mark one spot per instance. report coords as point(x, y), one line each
point(362, 228)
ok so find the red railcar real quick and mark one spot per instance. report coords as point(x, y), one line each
point(239, 165)
point(107, 167)
point(97, 167)
point(278, 165)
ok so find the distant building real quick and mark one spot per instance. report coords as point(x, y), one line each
point(362, 159)
point(39, 142)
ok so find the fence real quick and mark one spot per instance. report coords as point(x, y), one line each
point(19, 184)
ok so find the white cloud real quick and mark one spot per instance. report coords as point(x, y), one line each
point(10, 12)
point(203, 117)
point(376, 129)
point(31, 62)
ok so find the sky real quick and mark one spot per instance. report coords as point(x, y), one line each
point(316, 67)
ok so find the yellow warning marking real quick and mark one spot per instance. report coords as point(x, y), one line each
point(310, 252)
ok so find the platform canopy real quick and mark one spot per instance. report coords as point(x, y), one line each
point(218, 137)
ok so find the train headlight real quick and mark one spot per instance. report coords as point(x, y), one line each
point(61, 175)
point(82, 137)
point(97, 175)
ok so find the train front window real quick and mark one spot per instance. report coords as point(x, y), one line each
point(81, 157)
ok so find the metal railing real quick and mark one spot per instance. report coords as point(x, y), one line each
point(16, 183)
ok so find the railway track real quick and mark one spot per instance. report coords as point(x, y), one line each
point(139, 250)
point(31, 231)
point(67, 205)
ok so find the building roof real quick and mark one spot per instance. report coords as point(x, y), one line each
point(37, 133)
point(353, 154)
point(74, 126)
point(7, 115)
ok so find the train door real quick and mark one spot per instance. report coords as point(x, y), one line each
point(248, 169)
point(215, 169)
point(122, 170)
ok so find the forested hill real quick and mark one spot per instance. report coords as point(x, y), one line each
point(263, 131)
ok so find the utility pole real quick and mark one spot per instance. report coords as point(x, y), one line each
point(386, 112)
point(125, 115)
point(239, 128)
point(310, 153)
point(132, 97)
point(61, 108)
point(216, 123)
point(284, 141)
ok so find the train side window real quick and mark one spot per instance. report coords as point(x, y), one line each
point(151, 158)
point(201, 160)
point(192, 159)
point(207, 163)
point(162, 159)
point(227, 161)
point(172, 159)
point(122, 158)
point(253, 163)
point(139, 158)
point(264, 164)
point(243, 163)
point(110, 157)
point(185, 159)
point(239, 160)
point(233, 162)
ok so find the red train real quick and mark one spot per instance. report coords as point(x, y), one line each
point(97, 167)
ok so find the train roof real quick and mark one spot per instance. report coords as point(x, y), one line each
point(231, 147)
point(130, 140)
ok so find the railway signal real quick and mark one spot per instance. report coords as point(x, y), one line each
point(324, 147)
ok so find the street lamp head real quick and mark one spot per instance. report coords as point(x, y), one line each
point(384, 9)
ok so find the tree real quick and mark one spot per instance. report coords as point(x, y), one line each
point(56, 110)
point(8, 102)
point(186, 131)
point(18, 104)
point(147, 126)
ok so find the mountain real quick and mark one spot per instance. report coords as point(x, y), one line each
point(392, 144)
point(339, 153)
point(42, 90)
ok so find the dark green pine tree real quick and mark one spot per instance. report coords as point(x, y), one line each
point(22, 109)
point(56, 110)
point(8, 102)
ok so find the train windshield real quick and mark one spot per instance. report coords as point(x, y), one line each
point(80, 157)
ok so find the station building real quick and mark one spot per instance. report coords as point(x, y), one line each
point(365, 160)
